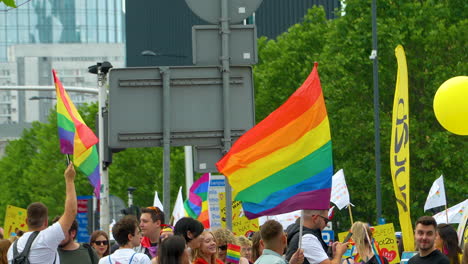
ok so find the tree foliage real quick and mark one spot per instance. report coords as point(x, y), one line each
point(32, 170)
point(10, 3)
point(433, 34)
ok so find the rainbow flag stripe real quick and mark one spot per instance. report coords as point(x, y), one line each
point(197, 203)
point(233, 253)
point(76, 137)
point(285, 161)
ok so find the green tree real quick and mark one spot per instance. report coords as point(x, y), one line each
point(32, 169)
point(10, 3)
point(433, 34)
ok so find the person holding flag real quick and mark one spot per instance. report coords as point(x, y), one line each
point(47, 239)
point(365, 245)
point(315, 249)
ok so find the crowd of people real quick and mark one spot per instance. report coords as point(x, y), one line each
point(148, 240)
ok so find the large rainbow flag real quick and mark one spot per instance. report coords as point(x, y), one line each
point(284, 163)
point(196, 205)
point(76, 137)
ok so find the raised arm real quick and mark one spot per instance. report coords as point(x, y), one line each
point(70, 211)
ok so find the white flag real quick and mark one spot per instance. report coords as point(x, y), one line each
point(339, 192)
point(454, 213)
point(436, 195)
point(157, 203)
point(179, 210)
point(285, 219)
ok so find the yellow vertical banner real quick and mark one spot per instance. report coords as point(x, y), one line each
point(241, 225)
point(15, 219)
point(399, 150)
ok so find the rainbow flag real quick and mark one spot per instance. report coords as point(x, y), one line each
point(197, 203)
point(233, 253)
point(284, 163)
point(76, 137)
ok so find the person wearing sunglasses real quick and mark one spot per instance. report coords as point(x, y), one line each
point(151, 220)
point(315, 249)
point(224, 237)
point(100, 242)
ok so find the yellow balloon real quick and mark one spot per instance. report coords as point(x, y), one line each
point(451, 105)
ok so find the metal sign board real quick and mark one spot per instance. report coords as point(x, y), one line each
point(136, 101)
point(206, 45)
point(210, 10)
point(205, 158)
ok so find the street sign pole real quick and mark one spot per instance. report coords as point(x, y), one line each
point(166, 78)
point(104, 172)
point(226, 105)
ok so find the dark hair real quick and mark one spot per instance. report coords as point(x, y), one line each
point(426, 220)
point(123, 228)
point(171, 250)
point(4, 245)
point(449, 236)
point(155, 212)
point(256, 246)
point(270, 232)
point(186, 224)
point(36, 215)
point(95, 235)
point(73, 227)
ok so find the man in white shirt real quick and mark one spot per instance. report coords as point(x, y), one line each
point(128, 235)
point(315, 249)
point(44, 248)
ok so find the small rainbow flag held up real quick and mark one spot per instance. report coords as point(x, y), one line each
point(233, 253)
point(197, 203)
point(285, 161)
point(75, 137)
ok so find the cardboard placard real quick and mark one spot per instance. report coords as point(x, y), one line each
point(386, 239)
point(241, 225)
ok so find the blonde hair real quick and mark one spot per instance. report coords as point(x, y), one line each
point(197, 253)
point(361, 236)
point(224, 236)
point(243, 241)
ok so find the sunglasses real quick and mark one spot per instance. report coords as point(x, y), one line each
point(325, 219)
point(101, 242)
point(223, 247)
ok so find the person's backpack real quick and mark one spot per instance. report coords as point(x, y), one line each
point(23, 258)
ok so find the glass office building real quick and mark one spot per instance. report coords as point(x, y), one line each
point(61, 21)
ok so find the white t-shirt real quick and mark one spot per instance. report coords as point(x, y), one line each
point(313, 250)
point(123, 256)
point(44, 247)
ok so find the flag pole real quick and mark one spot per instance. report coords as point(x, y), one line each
point(301, 224)
point(446, 211)
point(350, 214)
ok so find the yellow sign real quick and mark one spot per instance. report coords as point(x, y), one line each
point(15, 220)
point(399, 150)
point(241, 225)
point(386, 239)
